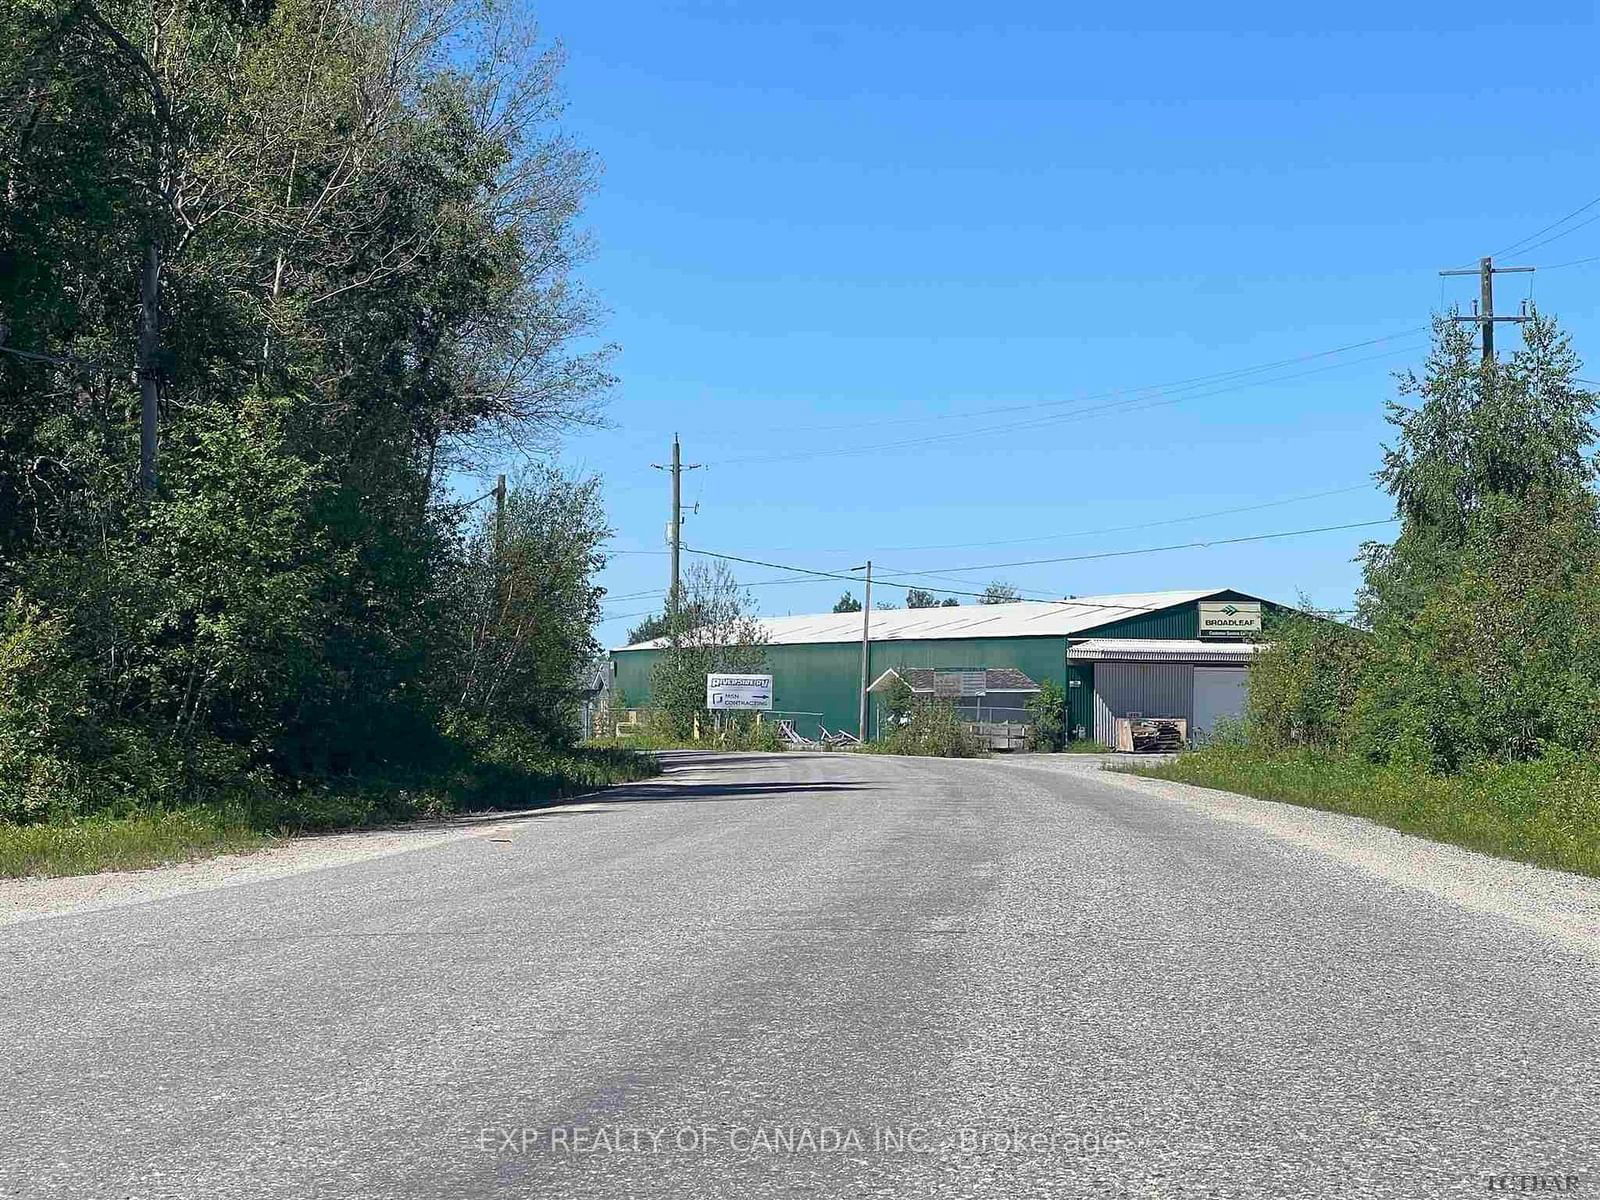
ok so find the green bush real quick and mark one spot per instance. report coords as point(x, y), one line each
point(42, 706)
point(1303, 683)
point(1048, 708)
point(741, 731)
point(933, 730)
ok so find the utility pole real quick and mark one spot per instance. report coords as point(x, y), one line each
point(675, 529)
point(1483, 311)
point(149, 368)
point(499, 518)
point(866, 644)
point(499, 541)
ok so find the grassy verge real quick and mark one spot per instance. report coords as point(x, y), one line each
point(766, 740)
point(1545, 812)
point(122, 843)
point(501, 778)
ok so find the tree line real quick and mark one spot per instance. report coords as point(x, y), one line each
point(1477, 632)
point(275, 274)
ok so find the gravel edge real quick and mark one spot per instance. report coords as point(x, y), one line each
point(35, 898)
point(1557, 904)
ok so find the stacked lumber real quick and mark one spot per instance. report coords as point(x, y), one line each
point(1151, 735)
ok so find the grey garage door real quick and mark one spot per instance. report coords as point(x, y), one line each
point(1153, 689)
point(1218, 692)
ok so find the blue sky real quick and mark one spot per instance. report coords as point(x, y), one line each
point(838, 227)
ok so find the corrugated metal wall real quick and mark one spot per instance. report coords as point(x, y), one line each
point(825, 677)
point(1182, 621)
point(1154, 689)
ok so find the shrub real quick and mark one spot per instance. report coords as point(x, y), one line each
point(1303, 684)
point(1048, 707)
point(934, 730)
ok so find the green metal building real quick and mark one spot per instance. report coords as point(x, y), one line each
point(1169, 654)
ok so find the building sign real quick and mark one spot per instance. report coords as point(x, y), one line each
point(951, 683)
point(1229, 618)
point(739, 692)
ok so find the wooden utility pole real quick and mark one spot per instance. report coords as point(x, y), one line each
point(499, 518)
point(150, 269)
point(866, 647)
point(1483, 311)
point(675, 529)
point(149, 363)
point(499, 544)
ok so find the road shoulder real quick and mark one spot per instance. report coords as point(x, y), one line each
point(1559, 905)
point(34, 898)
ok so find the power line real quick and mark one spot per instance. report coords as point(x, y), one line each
point(626, 616)
point(756, 562)
point(1054, 537)
point(1558, 236)
point(756, 583)
point(1255, 537)
point(494, 491)
point(1126, 405)
point(66, 360)
point(1258, 537)
point(1131, 393)
point(1576, 262)
point(1520, 246)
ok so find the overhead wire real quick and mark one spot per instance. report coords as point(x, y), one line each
point(1256, 537)
point(1055, 537)
point(1130, 393)
point(892, 582)
point(1558, 236)
point(1576, 262)
point(1129, 404)
point(1520, 246)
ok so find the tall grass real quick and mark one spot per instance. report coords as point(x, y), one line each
point(1545, 812)
point(122, 843)
point(503, 775)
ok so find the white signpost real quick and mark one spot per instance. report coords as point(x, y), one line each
point(739, 692)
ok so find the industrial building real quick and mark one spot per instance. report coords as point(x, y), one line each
point(1181, 654)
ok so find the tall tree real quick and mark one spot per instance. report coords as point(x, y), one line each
point(726, 637)
point(339, 240)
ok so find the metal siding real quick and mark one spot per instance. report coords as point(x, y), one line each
point(1180, 621)
point(1080, 699)
point(1154, 689)
point(825, 677)
point(633, 677)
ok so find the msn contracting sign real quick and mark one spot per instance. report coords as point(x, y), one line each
point(1224, 618)
point(739, 692)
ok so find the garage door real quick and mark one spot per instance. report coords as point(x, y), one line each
point(1219, 692)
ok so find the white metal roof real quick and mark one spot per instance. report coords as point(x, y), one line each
point(1161, 650)
point(1027, 618)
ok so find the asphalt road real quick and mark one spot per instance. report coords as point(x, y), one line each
point(808, 976)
